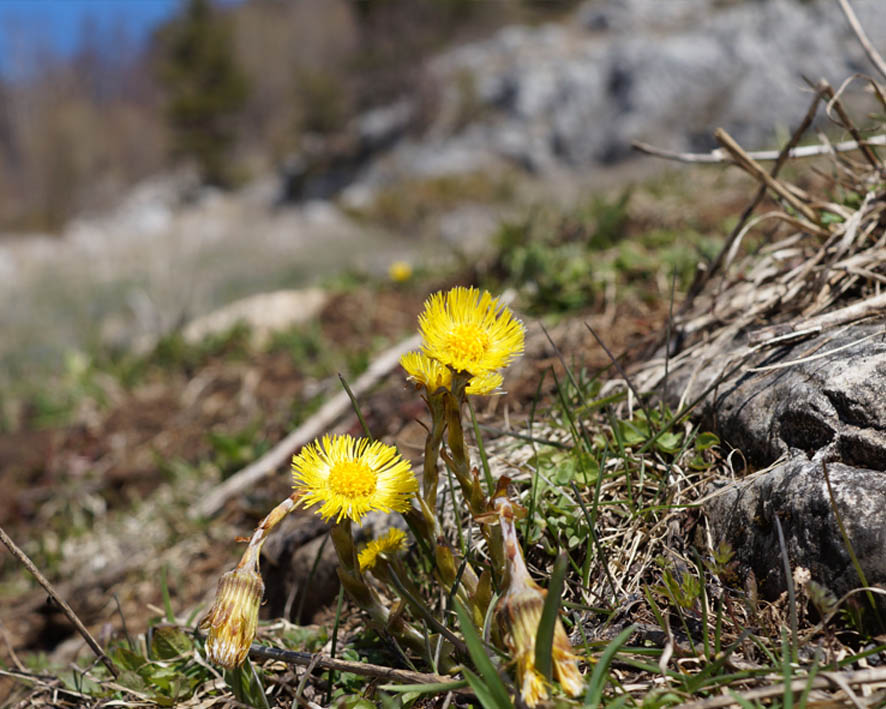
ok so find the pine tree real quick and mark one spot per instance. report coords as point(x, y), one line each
point(205, 88)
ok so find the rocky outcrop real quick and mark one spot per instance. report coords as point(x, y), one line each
point(573, 96)
point(794, 412)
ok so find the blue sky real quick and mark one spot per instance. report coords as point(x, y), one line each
point(28, 26)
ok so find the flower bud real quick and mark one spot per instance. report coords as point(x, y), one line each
point(233, 618)
point(519, 614)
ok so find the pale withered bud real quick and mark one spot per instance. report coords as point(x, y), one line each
point(519, 614)
point(233, 618)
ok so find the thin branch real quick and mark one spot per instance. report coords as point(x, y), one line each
point(719, 156)
point(364, 669)
point(309, 430)
point(753, 168)
point(834, 100)
point(869, 49)
point(68, 611)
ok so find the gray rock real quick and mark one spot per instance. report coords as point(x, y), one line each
point(796, 492)
point(574, 95)
point(821, 402)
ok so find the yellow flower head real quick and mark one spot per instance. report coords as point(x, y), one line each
point(350, 476)
point(233, 618)
point(433, 375)
point(486, 383)
point(469, 330)
point(424, 370)
point(400, 271)
point(394, 540)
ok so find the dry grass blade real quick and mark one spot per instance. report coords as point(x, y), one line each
point(869, 49)
point(825, 680)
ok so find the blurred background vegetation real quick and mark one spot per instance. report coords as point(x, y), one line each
point(235, 88)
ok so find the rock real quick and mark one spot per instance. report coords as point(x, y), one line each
point(298, 546)
point(809, 409)
point(299, 563)
point(796, 493)
point(573, 95)
point(264, 314)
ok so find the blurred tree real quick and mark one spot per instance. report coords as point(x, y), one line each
point(205, 87)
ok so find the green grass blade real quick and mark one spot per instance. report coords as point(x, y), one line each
point(167, 602)
point(598, 680)
point(485, 695)
point(355, 406)
point(430, 688)
point(491, 684)
point(544, 638)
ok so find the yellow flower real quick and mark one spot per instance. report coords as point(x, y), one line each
point(349, 477)
point(394, 540)
point(486, 383)
point(233, 618)
point(424, 370)
point(470, 331)
point(400, 271)
point(433, 375)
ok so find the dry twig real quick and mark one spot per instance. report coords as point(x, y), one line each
point(869, 49)
point(68, 611)
point(364, 669)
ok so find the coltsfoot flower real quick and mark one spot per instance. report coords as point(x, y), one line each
point(350, 476)
point(435, 376)
point(233, 618)
point(393, 541)
point(470, 331)
point(400, 271)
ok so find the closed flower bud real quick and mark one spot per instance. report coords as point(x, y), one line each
point(233, 618)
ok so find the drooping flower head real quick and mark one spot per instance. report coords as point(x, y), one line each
point(435, 376)
point(233, 618)
point(393, 541)
point(349, 476)
point(469, 330)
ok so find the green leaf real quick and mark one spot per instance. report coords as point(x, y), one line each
point(598, 682)
point(831, 218)
point(544, 637)
point(669, 442)
point(706, 441)
point(132, 680)
point(127, 659)
point(491, 685)
point(168, 643)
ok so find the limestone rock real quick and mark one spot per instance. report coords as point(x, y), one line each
point(821, 401)
point(263, 313)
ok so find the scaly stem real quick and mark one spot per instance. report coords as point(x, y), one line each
point(437, 407)
point(273, 518)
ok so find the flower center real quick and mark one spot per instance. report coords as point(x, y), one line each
point(468, 342)
point(352, 479)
